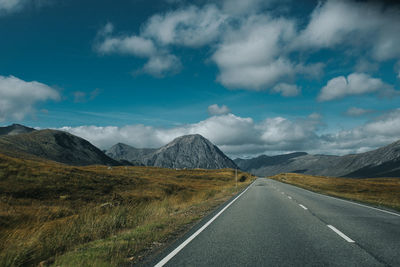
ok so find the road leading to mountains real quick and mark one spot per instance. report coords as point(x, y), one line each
point(275, 224)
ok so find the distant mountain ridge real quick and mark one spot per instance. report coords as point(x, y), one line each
point(189, 151)
point(54, 145)
point(134, 155)
point(15, 129)
point(382, 162)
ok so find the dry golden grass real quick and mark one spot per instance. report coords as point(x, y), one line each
point(54, 214)
point(375, 191)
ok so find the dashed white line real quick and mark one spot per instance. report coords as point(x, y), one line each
point(282, 193)
point(304, 207)
point(187, 241)
point(289, 197)
point(345, 237)
point(351, 202)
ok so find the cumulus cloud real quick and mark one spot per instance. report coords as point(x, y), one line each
point(161, 65)
point(354, 84)
point(287, 90)
point(235, 135)
point(250, 56)
point(256, 50)
point(378, 132)
point(159, 61)
point(238, 136)
point(18, 97)
point(218, 110)
point(343, 23)
point(190, 26)
point(355, 112)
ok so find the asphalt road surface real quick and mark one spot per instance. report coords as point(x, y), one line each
point(275, 224)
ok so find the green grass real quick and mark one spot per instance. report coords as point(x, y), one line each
point(54, 214)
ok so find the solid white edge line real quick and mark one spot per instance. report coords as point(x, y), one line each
point(304, 207)
point(348, 201)
point(187, 241)
point(345, 237)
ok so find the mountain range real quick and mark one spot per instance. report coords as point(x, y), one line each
point(382, 162)
point(20, 141)
point(193, 151)
point(189, 151)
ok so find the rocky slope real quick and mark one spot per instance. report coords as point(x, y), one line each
point(382, 162)
point(129, 153)
point(189, 151)
point(54, 145)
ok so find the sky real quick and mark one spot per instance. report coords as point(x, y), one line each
point(254, 77)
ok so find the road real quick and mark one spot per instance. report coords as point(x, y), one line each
point(275, 224)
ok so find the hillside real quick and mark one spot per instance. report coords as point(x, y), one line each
point(189, 151)
point(382, 162)
point(15, 129)
point(60, 215)
point(54, 145)
point(125, 152)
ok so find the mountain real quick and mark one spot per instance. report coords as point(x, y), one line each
point(189, 151)
point(382, 162)
point(263, 160)
point(129, 153)
point(54, 145)
point(15, 129)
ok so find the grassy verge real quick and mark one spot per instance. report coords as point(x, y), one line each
point(376, 191)
point(53, 214)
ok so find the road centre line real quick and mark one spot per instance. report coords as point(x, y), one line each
point(345, 237)
point(351, 202)
point(304, 207)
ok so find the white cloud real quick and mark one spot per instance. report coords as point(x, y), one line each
point(159, 63)
point(235, 135)
point(18, 97)
point(287, 90)
point(342, 22)
point(378, 132)
point(355, 112)
point(133, 45)
point(250, 56)
point(191, 26)
point(354, 84)
point(239, 136)
point(218, 110)
point(11, 5)
point(162, 65)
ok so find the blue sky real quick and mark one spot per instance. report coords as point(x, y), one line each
point(252, 76)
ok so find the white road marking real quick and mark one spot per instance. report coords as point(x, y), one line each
point(351, 202)
point(345, 237)
point(282, 193)
point(187, 241)
point(289, 197)
point(304, 207)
